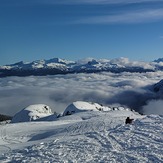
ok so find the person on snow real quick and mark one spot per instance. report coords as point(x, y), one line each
point(128, 120)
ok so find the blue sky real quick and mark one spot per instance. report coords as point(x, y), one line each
point(75, 29)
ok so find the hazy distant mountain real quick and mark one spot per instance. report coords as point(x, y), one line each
point(60, 66)
point(158, 86)
point(158, 60)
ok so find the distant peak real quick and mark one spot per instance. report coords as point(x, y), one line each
point(17, 64)
point(86, 60)
point(56, 60)
point(59, 60)
point(158, 60)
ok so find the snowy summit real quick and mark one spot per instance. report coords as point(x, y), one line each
point(81, 106)
point(32, 113)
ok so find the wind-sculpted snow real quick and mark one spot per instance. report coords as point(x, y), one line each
point(103, 137)
point(31, 113)
point(80, 106)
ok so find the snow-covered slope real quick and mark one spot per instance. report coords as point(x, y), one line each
point(32, 113)
point(88, 136)
point(61, 66)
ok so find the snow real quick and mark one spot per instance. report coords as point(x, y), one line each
point(58, 60)
point(86, 136)
point(31, 113)
point(80, 106)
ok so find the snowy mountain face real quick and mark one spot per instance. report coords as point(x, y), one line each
point(61, 66)
point(159, 60)
point(85, 136)
point(39, 67)
point(158, 87)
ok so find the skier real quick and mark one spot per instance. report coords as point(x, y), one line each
point(128, 120)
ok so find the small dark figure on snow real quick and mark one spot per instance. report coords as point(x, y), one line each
point(128, 120)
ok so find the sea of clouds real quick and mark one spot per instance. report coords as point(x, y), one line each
point(126, 89)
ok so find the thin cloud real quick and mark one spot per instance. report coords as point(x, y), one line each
point(96, 2)
point(73, 2)
point(126, 17)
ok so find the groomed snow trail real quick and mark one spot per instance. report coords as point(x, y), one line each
point(99, 137)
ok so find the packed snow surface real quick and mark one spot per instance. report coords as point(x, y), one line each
point(90, 136)
point(31, 113)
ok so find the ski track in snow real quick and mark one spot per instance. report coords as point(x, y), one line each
point(5, 137)
point(99, 139)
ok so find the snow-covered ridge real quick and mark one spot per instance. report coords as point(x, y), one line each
point(59, 66)
point(38, 64)
point(81, 106)
point(42, 112)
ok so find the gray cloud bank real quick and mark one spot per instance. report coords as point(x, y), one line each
point(154, 106)
point(128, 89)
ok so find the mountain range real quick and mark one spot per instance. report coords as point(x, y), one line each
point(61, 66)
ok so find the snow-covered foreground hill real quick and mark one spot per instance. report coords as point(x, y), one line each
point(90, 136)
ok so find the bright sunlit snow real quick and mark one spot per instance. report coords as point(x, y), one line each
point(87, 136)
point(80, 106)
